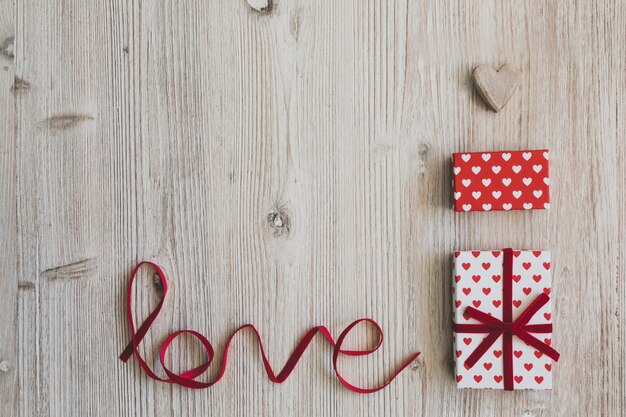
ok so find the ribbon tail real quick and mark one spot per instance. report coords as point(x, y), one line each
point(482, 348)
point(539, 345)
point(541, 300)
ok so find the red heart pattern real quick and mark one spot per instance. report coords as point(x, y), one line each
point(478, 282)
point(511, 180)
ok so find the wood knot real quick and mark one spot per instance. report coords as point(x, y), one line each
point(4, 366)
point(79, 269)
point(279, 221)
point(261, 6)
point(19, 85)
point(7, 48)
point(423, 149)
point(157, 283)
point(64, 121)
point(417, 363)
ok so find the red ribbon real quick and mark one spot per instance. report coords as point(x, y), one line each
point(507, 327)
point(188, 378)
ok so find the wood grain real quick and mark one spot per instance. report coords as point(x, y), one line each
point(291, 168)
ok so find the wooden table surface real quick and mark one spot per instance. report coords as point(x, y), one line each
point(290, 168)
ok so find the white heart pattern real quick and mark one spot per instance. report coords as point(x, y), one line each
point(501, 180)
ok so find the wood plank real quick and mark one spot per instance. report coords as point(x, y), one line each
point(9, 354)
point(291, 168)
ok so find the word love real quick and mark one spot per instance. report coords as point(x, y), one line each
point(188, 378)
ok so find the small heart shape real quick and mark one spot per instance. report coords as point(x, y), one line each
point(496, 87)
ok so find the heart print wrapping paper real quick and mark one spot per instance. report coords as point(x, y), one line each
point(478, 282)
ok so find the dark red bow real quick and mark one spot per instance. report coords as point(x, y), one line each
point(507, 328)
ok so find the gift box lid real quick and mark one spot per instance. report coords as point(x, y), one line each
point(505, 180)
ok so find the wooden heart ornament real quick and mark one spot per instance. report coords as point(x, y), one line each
point(496, 87)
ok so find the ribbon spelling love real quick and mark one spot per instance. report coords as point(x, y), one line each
point(507, 327)
point(188, 378)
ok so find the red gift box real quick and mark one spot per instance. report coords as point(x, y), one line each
point(509, 180)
